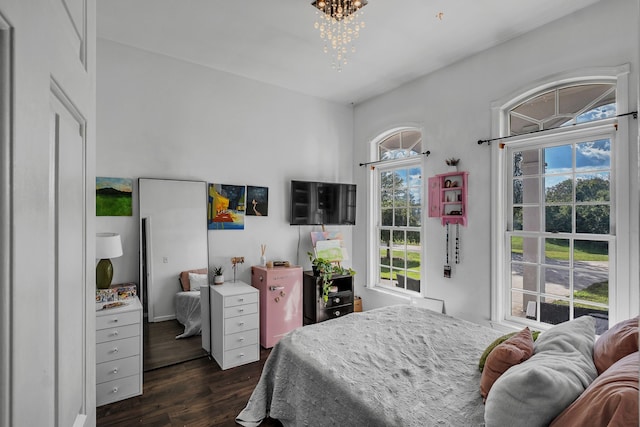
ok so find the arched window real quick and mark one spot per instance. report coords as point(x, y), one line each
point(558, 202)
point(397, 210)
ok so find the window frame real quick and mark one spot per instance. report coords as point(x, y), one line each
point(620, 302)
point(374, 211)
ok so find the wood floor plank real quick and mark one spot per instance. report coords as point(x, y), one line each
point(195, 393)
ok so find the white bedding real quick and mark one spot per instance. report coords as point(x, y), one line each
point(394, 366)
point(188, 313)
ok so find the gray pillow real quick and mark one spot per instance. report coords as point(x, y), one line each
point(534, 392)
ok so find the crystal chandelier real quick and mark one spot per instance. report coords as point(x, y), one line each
point(339, 24)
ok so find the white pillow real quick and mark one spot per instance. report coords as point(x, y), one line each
point(197, 280)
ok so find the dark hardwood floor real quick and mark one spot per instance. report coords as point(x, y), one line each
point(194, 393)
point(161, 348)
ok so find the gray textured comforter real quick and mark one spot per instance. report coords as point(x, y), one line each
point(394, 366)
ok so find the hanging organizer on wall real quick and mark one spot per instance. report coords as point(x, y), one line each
point(448, 197)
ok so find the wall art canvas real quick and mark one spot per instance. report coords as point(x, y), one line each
point(258, 198)
point(226, 207)
point(114, 196)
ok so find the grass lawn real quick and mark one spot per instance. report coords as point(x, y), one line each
point(413, 264)
point(560, 252)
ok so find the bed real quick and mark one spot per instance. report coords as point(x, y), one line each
point(188, 313)
point(407, 366)
point(187, 302)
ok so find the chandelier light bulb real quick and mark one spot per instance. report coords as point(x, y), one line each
point(338, 22)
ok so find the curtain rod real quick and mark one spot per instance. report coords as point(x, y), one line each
point(488, 141)
point(426, 153)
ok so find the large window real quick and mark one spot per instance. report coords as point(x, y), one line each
point(398, 207)
point(557, 207)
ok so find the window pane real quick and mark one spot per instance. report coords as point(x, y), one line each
point(598, 113)
point(600, 314)
point(386, 199)
point(524, 276)
point(524, 249)
point(558, 189)
point(400, 179)
point(385, 238)
point(558, 219)
point(414, 218)
point(531, 218)
point(518, 303)
point(400, 217)
point(517, 219)
point(553, 311)
point(556, 281)
point(400, 198)
point(526, 163)
point(556, 252)
point(386, 180)
point(531, 190)
point(386, 217)
point(592, 219)
point(593, 155)
point(517, 191)
point(558, 159)
point(592, 187)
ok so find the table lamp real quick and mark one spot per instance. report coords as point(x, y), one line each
point(108, 245)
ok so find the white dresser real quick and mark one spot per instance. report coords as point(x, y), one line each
point(235, 324)
point(119, 353)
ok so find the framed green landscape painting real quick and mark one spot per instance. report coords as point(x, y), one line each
point(113, 196)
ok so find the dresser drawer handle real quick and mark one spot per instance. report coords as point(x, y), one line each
point(241, 339)
point(240, 310)
point(115, 389)
point(115, 349)
point(336, 300)
point(337, 313)
point(241, 355)
point(115, 320)
point(115, 370)
point(115, 333)
point(240, 323)
point(241, 299)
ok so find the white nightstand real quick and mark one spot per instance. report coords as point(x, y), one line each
point(119, 352)
point(235, 324)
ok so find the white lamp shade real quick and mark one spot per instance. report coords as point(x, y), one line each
point(108, 245)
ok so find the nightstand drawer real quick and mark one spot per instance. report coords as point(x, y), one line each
point(231, 300)
point(240, 356)
point(334, 312)
point(241, 339)
point(116, 369)
point(117, 349)
point(117, 389)
point(340, 298)
point(104, 335)
point(240, 310)
point(241, 323)
point(117, 319)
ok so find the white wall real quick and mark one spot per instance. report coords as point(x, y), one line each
point(453, 106)
point(160, 117)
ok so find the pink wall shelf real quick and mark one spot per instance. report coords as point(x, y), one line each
point(448, 197)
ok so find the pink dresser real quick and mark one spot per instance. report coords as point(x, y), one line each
point(280, 301)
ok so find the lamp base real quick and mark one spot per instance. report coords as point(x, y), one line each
point(104, 274)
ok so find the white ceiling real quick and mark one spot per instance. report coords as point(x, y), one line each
point(275, 41)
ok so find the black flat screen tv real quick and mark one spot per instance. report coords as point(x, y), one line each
point(322, 203)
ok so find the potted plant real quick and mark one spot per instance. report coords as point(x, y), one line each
point(326, 270)
point(452, 164)
point(218, 278)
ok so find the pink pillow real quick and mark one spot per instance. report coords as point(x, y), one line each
point(184, 278)
point(513, 351)
point(614, 344)
point(610, 400)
